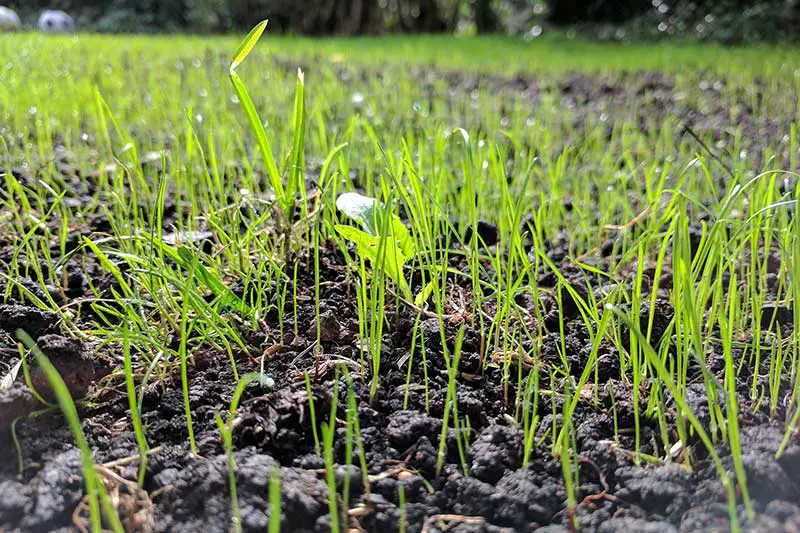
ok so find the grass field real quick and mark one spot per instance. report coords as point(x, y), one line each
point(563, 296)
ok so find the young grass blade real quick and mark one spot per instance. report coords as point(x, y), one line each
point(312, 414)
point(296, 169)
point(211, 280)
point(226, 429)
point(275, 502)
point(130, 387)
point(328, 432)
point(247, 44)
point(256, 124)
point(569, 407)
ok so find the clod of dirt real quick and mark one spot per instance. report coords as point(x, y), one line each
point(607, 366)
point(768, 524)
point(466, 496)
point(77, 368)
point(407, 427)
point(709, 517)
point(55, 491)
point(431, 333)
point(515, 504)
point(662, 317)
point(666, 490)
point(541, 497)
point(22, 287)
point(276, 418)
point(785, 512)
point(350, 474)
point(697, 400)
point(570, 305)
point(554, 528)
point(256, 429)
point(15, 402)
point(772, 313)
point(423, 457)
point(487, 233)
point(766, 439)
point(766, 479)
point(769, 479)
point(620, 525)
point(199, 497)
point(32, 320)
point(15, 497)
point(330, 328)
point(496, 450)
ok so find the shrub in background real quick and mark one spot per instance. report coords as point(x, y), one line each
point(730, 21)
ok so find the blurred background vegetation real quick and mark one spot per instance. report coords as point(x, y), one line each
point(729, 21)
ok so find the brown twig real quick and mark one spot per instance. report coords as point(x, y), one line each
point(450, 518)
point(690, 131)
point(602, 494)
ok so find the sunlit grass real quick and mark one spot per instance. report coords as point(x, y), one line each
point(206, 186)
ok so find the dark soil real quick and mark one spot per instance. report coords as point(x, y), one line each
point(490, 491)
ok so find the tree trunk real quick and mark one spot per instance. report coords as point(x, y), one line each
point(430, 19)
point(486, 20)
point(565, 12)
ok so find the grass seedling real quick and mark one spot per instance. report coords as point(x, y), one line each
point(530, 416)
point(184, 358)
point(451, 400)
point(275, 502)
point(569, 471)
point(312, 414)
point(401, 500)
point(353, 421)
point(570, 406)
point(731, 403)
point(136, 420)
point(794, 421)
point(286, 196)
point(15, 438)
point(226, 430)
point(328, 433)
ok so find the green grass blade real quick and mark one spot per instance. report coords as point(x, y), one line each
point(296, 168)
point(256, 124)
point(247, 44)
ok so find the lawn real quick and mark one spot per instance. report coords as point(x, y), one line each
point(398, 284)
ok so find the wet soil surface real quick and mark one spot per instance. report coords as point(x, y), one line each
point(474, 478)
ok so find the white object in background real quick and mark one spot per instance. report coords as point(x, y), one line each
point(55, 21)
point(9, 21)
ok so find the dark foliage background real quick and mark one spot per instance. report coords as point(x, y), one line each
point(723, 20)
